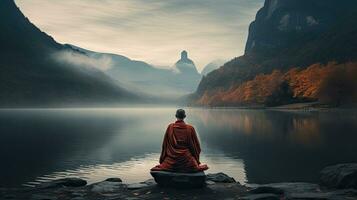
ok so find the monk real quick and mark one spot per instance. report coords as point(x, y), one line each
point(180, 148)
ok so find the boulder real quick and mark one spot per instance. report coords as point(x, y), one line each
point(113, 180)
point(340, 176)
point(261, 197)
point(107, 187)
point(288, 188)
point(67, 182)
point(266, 189)
point(135, 186)
point(220, 178)
point(179, 180)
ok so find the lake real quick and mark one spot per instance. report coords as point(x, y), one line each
point(253, 146)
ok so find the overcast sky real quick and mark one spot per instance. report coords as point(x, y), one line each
point(154, 31)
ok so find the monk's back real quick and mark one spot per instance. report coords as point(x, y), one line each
point(182, 134)
point(180, 148)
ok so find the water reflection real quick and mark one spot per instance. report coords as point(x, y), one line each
point(281, 146)
point(254, 146)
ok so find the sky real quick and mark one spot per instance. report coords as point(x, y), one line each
point(154, 31)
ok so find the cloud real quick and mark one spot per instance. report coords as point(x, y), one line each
point(102, 63)
point(155, 31)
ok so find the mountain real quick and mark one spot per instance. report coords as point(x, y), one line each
point(212, 66)
point(169, 83)
point(186, 74)
point(185, 65)
point(32, 75)
point(288, 36)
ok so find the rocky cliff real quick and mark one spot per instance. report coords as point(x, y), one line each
point(286, 34)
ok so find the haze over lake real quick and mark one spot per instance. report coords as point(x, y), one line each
point(253, 146)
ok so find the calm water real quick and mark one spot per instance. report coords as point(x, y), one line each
point(253, 146)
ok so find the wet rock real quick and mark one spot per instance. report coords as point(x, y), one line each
point(42, 197)
point(339, 176)
point(132, 198)
point(67, 182)
point(266, 189)
point(220, 178)
point(261, 197)
point(114, 180)
point(179, 180)
point(78, 198)
point(310, 196)
point(210, 183)
point(293, 187)
point(135, 186)
point(107, 187)
point(150, 182)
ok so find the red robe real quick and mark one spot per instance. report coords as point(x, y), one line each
point(180, 149)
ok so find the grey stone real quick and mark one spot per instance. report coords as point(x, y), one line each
point(179, 180)
point(150, 182)
point(67, 182)
point(106, 187)
point(114, 180)
point(298, 187)
point(340, 176)
point(78, 194)
point(261, 197)
point(78, 198)
point(309, 195)
point(9, 196)
point(135, 186)
point(220, 178)
point(210, 183)
point(267, 189)
point(42, 197)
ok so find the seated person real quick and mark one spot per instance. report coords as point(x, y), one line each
point(180, 148)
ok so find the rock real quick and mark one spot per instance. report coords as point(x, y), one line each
point(107, 187)
point(339, 176)
point(150, 182)
point(67, 182)
point(179, 180)
point(9, 197)
point(261, 197)
point(309, 195)
point(210, 183)
point(114, 180)
point(78, 194)
point(135, 186)
point(266, 189)
point(288, 188)
point(220, 178)
point(78, 198)
point(42, 197)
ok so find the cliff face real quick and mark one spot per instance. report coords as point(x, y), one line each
point(284, 24)
point(288, 34)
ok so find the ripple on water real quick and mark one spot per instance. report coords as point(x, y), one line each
point(137, 170)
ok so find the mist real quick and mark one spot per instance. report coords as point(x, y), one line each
point(102, 63)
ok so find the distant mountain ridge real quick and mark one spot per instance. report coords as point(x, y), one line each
point(185, 65)
point(139, 76)
point(31, 77)
point(285, 34)
point(212, 66)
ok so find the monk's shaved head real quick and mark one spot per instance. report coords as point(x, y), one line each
point(180, 114)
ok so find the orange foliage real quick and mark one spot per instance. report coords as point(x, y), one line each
point(331, 83)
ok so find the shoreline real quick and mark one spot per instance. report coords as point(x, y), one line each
point(336, 182)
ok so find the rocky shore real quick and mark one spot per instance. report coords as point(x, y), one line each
point(336, 182)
